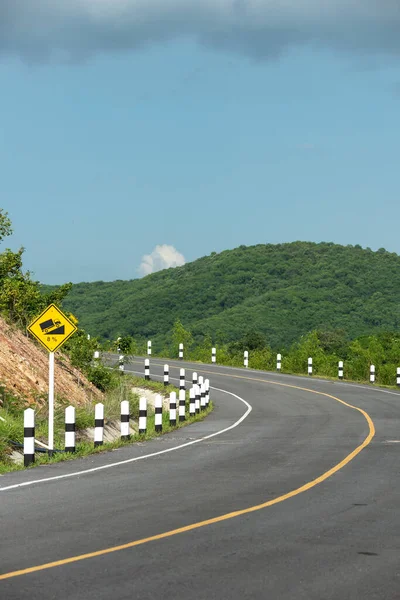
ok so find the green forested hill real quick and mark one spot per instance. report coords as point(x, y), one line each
point(282, 291)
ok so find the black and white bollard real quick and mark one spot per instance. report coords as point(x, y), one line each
point(278, 362)
point(182, 379)
point(213, 355)
point(309, 369)
point(125, 435)
point(172, 409)
point(149, 348)
point(98, 424)
point(166, 375)
point(70, 429)
point(340, 369)
point(207, 384)
point(202, 397)
point(192, 401)
point(142, 415)
point(96, 356)
point(201, 386)
point(29, 437)
point(372, 374)
point(147, 369)
point(194, 378)
point(158, 413)
point(197, 398)
point(180, 351)
point(246, 359)
point(182, 405)
point(398, 376)
point(121, 362)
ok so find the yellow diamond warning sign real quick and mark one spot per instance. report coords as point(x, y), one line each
point(52, 328)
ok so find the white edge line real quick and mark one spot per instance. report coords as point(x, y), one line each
point(130, 460)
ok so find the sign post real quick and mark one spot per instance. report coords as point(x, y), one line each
point(52, 328)
point(51, 403)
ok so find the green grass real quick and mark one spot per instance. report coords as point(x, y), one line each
point(12, 428)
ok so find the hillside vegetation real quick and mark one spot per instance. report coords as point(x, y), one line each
point(281, 291)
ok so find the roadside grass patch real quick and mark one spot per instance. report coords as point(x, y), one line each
point(12, 426)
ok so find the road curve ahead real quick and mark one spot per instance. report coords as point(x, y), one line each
point(288, 490)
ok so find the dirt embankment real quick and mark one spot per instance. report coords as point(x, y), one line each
point(24, 371)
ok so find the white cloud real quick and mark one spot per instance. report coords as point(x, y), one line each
point(77, 29)
point(162, 257)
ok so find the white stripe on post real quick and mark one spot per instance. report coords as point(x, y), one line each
point(246, 358)
point(309, 369)
point(192, 401)
point(142, 415)
point(166, 375)
point(70, 429)
point(372, 374)
point(182, 379)
point(182, 405)
point(194, 378)
point(207, 384)
point(180, 351)
point(340, 371)
point(197, 398)
point(147, 369)
point(125, 435)
point(29, 437)
point(398, 376)
point(121, 363)
point(98, 424)
point(278, 362)
point(172, 409)
point(213, 355)
point(158, 413)
point(149, 348)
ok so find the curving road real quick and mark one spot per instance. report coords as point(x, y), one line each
point(283, 492)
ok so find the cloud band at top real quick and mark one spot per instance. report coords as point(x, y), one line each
point(42, 30)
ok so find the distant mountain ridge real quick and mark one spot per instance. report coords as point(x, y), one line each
point(280, 290)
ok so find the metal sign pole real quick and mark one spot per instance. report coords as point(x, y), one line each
point(52, 328)
point(51, 403)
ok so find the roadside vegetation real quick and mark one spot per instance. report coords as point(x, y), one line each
point(11, 421)
point(326, 347)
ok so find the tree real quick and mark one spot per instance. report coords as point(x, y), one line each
point(20, 296)
point(180, 335)
point(5, 225)
point(252, 340)
point(127, 344)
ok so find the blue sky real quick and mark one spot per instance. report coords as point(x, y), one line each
point(197, 141)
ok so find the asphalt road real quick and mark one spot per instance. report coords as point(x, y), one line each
point(317, 494)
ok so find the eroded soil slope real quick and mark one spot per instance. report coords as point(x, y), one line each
point(24, 371)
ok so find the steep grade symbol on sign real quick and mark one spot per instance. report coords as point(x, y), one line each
point(47, 327)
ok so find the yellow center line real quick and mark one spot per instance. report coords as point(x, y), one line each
point(227, 516)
